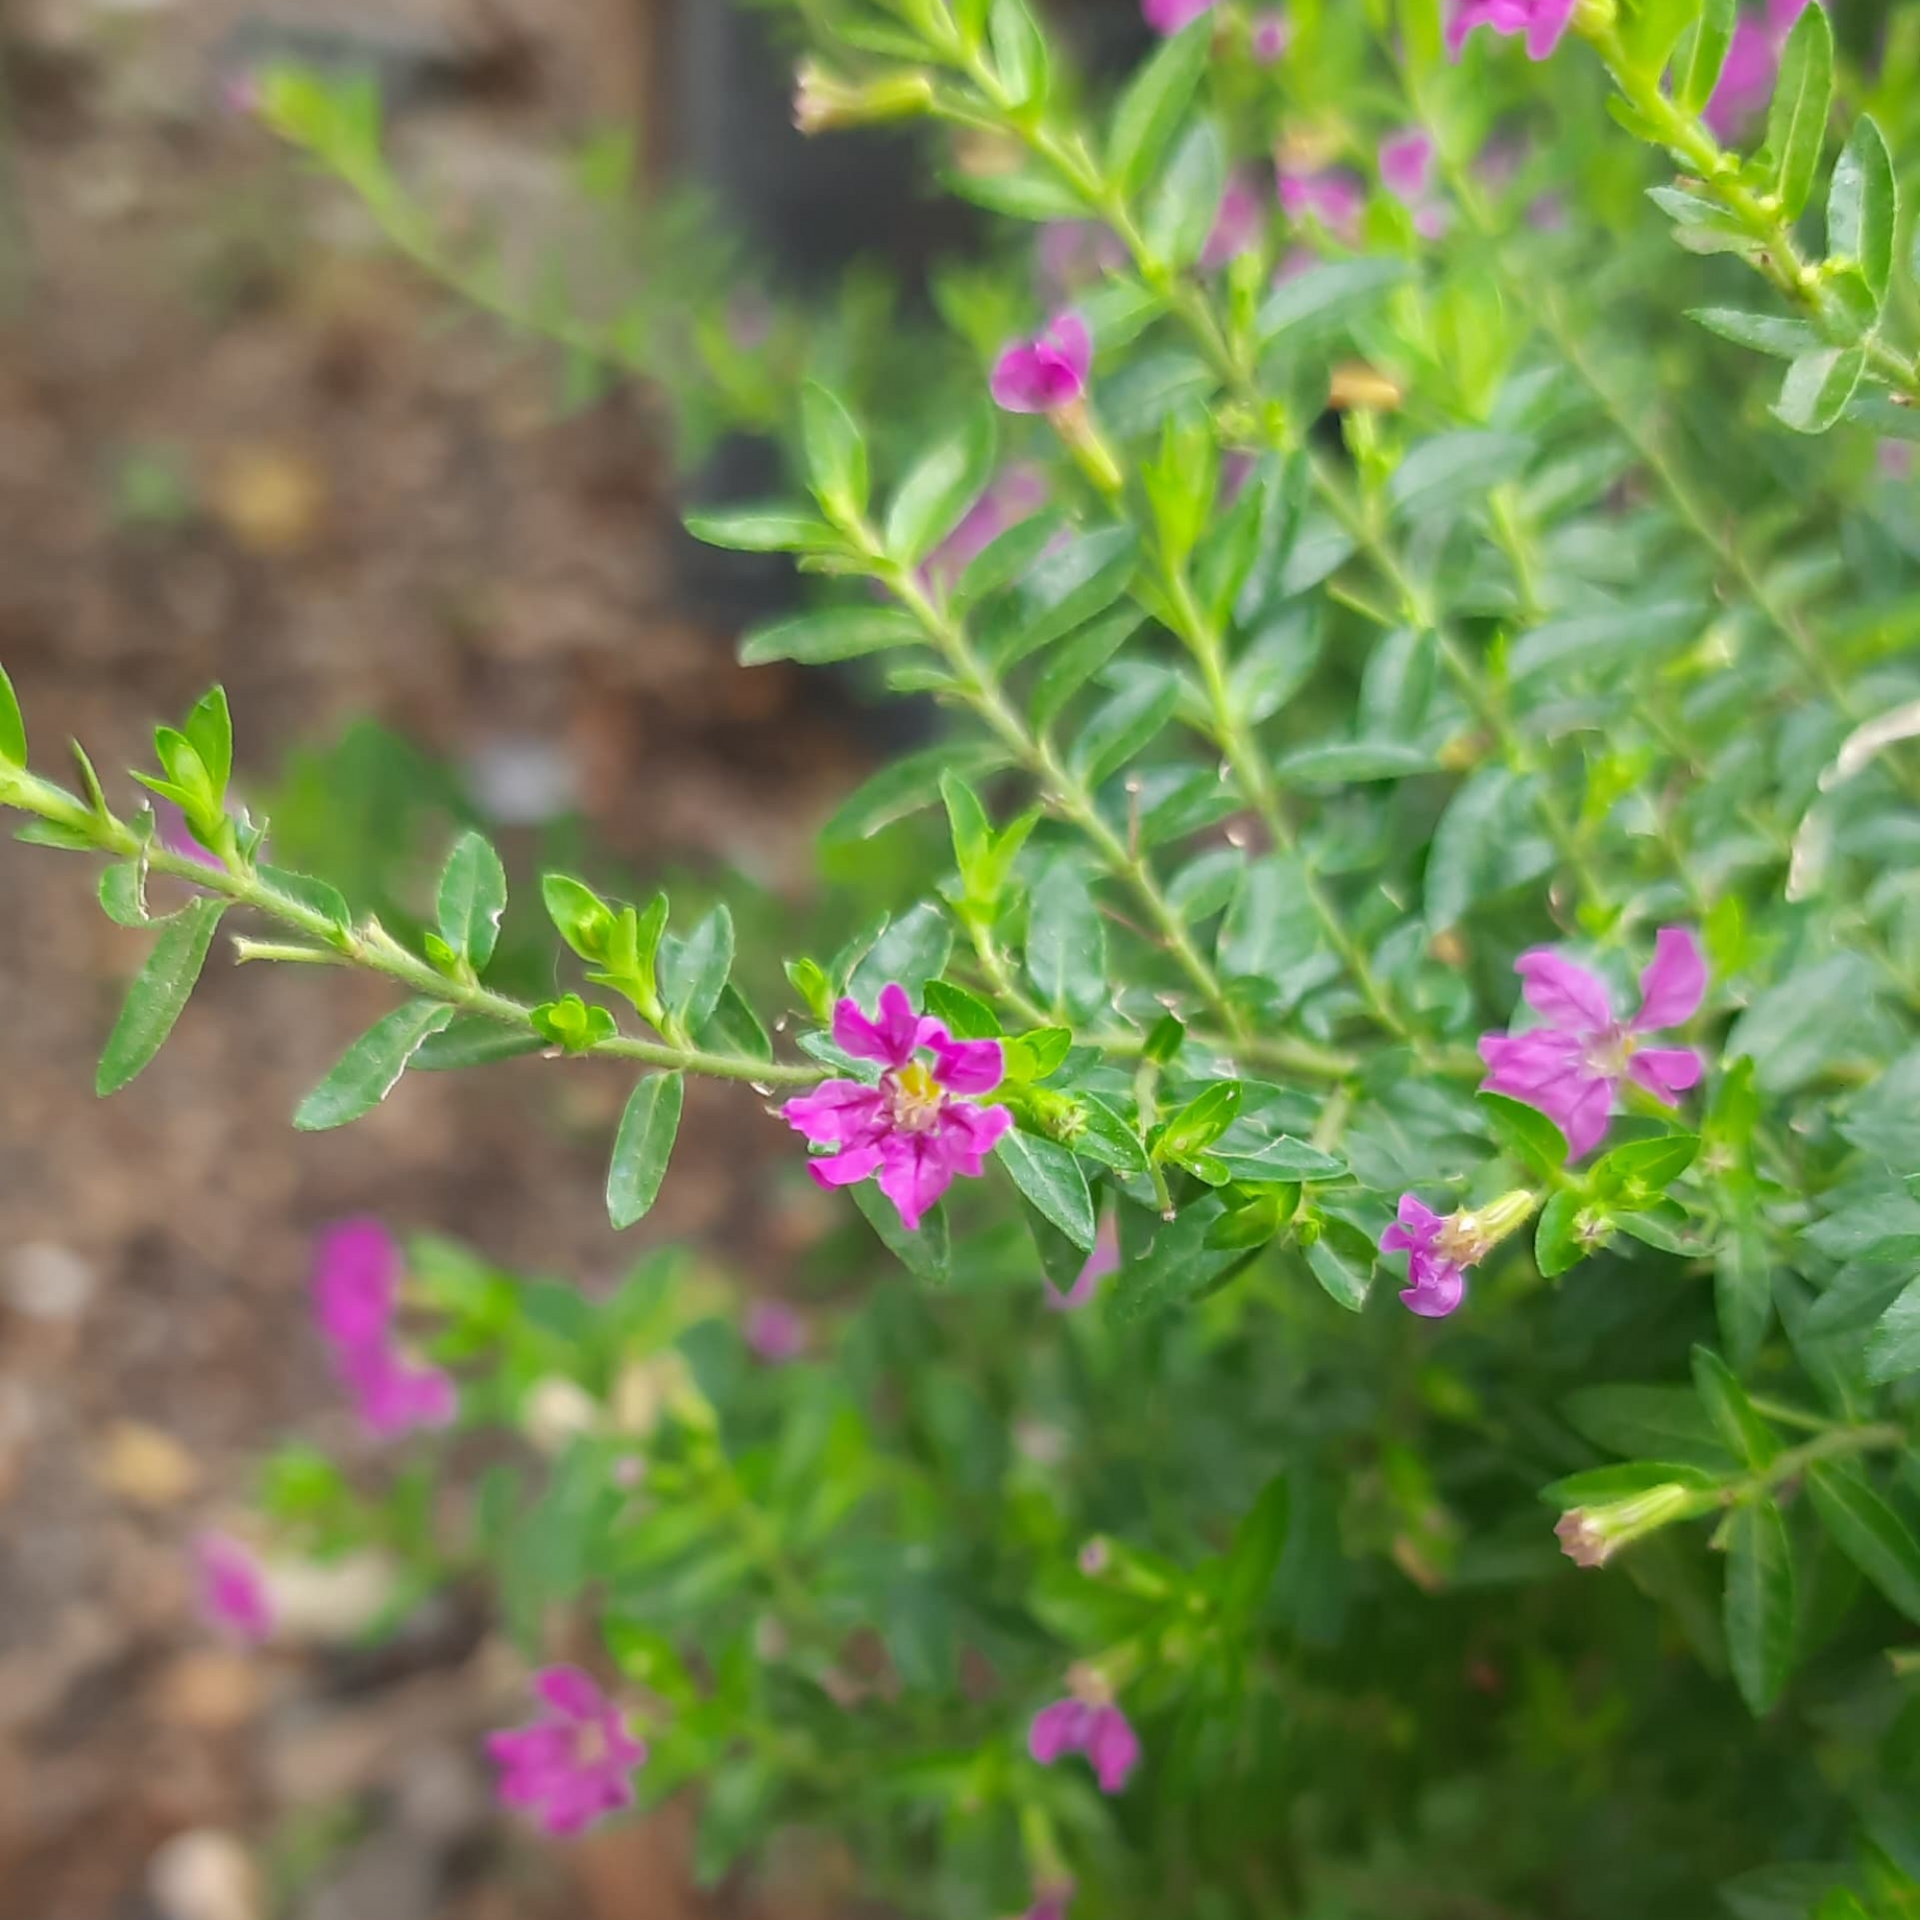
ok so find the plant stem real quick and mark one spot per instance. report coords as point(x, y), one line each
point(1834, 1443)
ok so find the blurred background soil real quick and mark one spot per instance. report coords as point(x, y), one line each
point(239, 442)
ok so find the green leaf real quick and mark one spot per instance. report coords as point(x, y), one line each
point(123, 894)
point(583, 920)
point(1051, 1178)
point(1340, 763)
point(1743, 1290)
point(370, 1069)
point(1763, 332)
point(1482, 845)
point(473, 896)
point(1759, 1604)
point(1183, 207)
point(1035, 1054)
point(1524, 1134)
point(1841, 1903)
point(1863, 207)
point(937, 493)
point(472, 1041)
point(764, 530)
point(1169, 1263)
point(316, 896)
point(13, 729)
point(836, 454)
point(1324, 296)
point(1567, 1234)
point(1200, 1122)
point(832, 633)
point(1254, 1558)
point(1344, 1279)
point(571, 1024)
point(736, 1028)
point(1802, 99)
point(1731, 1412)
point(1281, 1160)
point(1450, 472)
point(1893, 1350)
point(1067, 941)
point(906, 786)
point(694, 970)
point(926, 1252)
point(1027, 193)
point(1637, 1174)
point(1121, 727)
point(1019, 53)
point(1868, 1531)
point(965, 1015)
point(1065, 589)
point(1595, 642)
point(1712, 36)
point(210, 728)
point(643, 1146)
point(1154, 104)
point(159, 991)
point(1660, 1423)
point(912, 950)
point(1819, 385)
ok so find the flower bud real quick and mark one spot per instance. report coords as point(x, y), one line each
point(1589, 1535)
point(823, 100)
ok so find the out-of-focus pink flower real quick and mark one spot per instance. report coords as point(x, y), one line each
point(233, 1588)
point(1050, 1902)
point(1047, 372)
point(1436, 1277)
point(572, 1764)
point(395, 1395)
point(1096, 1728)
point(775, 1334)
point(1271, 34)
point(1752, 63)
point(171, 830)
point(1406, 164)
point(1094, 1557)
point(356, 1292)
point(1547, 213)
point(1572, 1067)
point(921, 1125)
point(1895, 459)
point(1331, 197)
point(1169, 16)
point(1237, 225)
point(1102, 1261)
point(1544, 22)
point(1013, 495)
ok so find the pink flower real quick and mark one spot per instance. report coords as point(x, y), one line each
point(1572, 1067)
point(1894, 458)
point(1046, 373)
point(1544, 22)
point(921, 1125)
point(1437, 1277)
point(1012, 496)
point(1236, 226)
point(1271, 33)
point(1102, 1261)
point(575, 1762)
point(233, 1588)
point(1096, 1728)
point(356, 1288)
point(1406, 165)
point(1330, 197)
point(1169, 16)
point(1753, 60)
point(1050, 1901)
point(775, 1333)
point(173, 833)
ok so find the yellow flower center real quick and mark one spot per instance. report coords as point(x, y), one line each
point(914, 1098)
point(1608, 1056)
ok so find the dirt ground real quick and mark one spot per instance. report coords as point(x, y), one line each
point(358, 512)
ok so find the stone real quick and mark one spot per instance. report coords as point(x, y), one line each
point(204, 1874)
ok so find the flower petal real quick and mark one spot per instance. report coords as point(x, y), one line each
point(570, 1691)
point(966, 1066)
point(967, 1134)
point(1438, 1286)
point(1584, 1119)
point(1563, 994)
point(1673, 984)
point(1549, 24)
point(1060, 1728)
point(889, 1037)
point(915, 1170)
point(356, 1282)
point(835, 1114)
point(1666, 1072)
point(843, 1169)
point(1113, 1747)
point(1073, 344)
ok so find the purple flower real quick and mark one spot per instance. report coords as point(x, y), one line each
point(1102, 1261)
point(1437, 1281)
point(1169, 16)
point(1544, 22)
point(775, 1333)
point(575, 1762)
point(1096, 1728)
point(1048, 372)
point(1331, 197)
point(1406, 165)
point(1572, 1067)
point(1012, 496)
point(356, 1288)
point(1236, 226)
point(921, 1125)
point(1753, 60)
point(1271, 33)
point(233, 1588)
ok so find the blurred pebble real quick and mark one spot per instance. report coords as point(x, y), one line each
point(144, 1465)
point(328, 1604)
point(205, 1875)
point(271, 501)
point(519, 781)
point(49, 1282)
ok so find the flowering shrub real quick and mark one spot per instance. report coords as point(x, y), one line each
point(1353, 586)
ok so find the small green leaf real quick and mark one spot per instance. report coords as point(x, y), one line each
point(1019, 53)
point(966, 1015)
point(926, 1251)
point(912, 950)
point(1819, 385)
point(583, 920)
point(13, 729)
point(1863, 207)
point(159, 991)
point(1524, 1134)
point(1451, 472)
point(836, 454)
point(906, 786)
point(1637, 1174)
point(123, 894)
point(1340, 1273)
point(939, 490)
point(472, 1040)
point(1067, 941)
point(1279, 1160)
point(642, 1147)
point(1759, 1604)
point(1893, 1349)
point(1712, 36)
point(1568, 1232)
point(764, 530)
point(1154, 104)
point(1051, 1178)
point(1731, 1412)
point(1339, 763)
point(210, 728)
point(1117, 731)
point(473, 896)
point(370, 1069)
point(833, 633)
point(1868, 1531)
point(314, 896)
point(1063, 590)
point(1254, 1558)
point(1743, 1289)
point(1764, 332)
point(571, 1024)
point(1326, 296)
point(694, 970)
point(1802, 99)
point(1183, 207)
point(1200, 1122)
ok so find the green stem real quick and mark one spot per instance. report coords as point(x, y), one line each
point(1833, 1444)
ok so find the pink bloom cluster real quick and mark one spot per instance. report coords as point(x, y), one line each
point(1048, 372)
point(1544, 22)
point(1753, 60)
point(1332, 197)
point(1406, 171)
point(233, 1588)
point(1096, 1728)
point(1572, 1067)
point(356, 1288)
point(574, 1762)
point(921, 1125)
